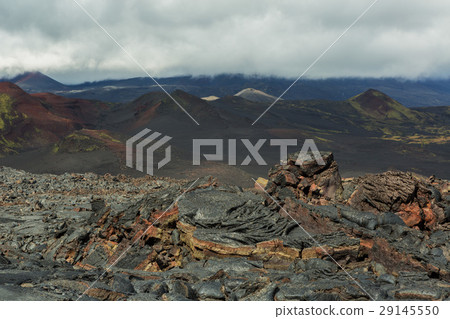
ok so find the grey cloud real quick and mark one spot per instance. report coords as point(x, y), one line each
point(406, 38)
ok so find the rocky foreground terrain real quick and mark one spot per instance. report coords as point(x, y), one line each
point(388, 232)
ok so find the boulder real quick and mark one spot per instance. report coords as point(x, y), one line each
point(416, 202)
point(309, 181)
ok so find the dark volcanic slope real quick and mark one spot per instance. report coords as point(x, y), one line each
point(370, 132)
point(27, 121)
point(42, 119)
point(390, 232)
point(159, 111)
point(33, 82)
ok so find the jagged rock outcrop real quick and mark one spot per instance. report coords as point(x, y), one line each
point(417, 201)
point(309, 182)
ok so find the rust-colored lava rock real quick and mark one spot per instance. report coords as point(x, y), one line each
point(415, 200)
point(309, 181)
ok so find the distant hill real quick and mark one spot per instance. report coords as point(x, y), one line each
point(411, 93)
point(33, 82)
point(35, 120)
point(156, 109)
point(210, 98)
point(378, 105)
point(256, 95)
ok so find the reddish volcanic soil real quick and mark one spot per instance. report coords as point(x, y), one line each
point(77, 110)
point(49, 117)
point(145, 114)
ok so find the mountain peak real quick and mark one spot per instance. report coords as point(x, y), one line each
point(375, 104)
point(373, 91)
point(374, 99)
point(255, 95)
point(33, 82)
point(27, 76)
point(376, 94)
point(157, 105)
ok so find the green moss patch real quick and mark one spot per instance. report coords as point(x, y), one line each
point(7, 113)
point(75, 143)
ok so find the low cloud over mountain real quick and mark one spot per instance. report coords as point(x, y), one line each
point(395, 38)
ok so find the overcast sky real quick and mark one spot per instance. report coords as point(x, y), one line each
point(404, 38)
